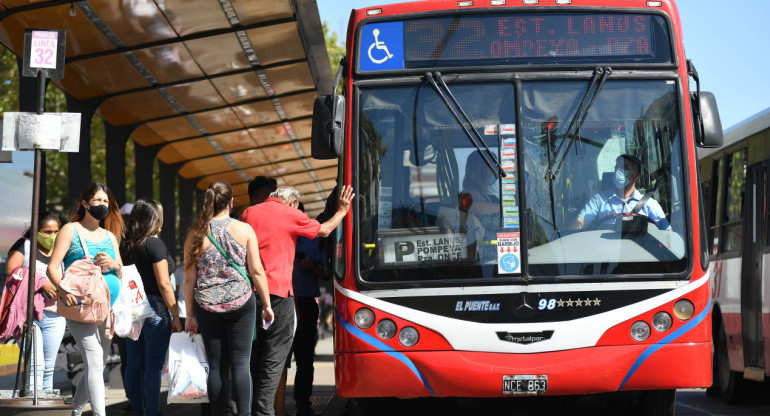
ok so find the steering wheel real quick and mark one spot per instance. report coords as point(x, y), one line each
point(602, 220)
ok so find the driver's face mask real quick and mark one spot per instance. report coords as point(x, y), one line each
point(621, 177)
point(493, 186)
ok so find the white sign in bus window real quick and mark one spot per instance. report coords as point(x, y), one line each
point(444, 247)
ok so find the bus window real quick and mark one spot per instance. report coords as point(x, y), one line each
point(634, 118)
point(733, 210)
point(716, 202)
point(427, 198)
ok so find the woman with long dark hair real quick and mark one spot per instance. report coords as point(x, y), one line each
point(48, 331)
point(224, 308)
point(145, 356)
point(96, 218)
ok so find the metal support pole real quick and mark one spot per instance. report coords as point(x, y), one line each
point(29, 343)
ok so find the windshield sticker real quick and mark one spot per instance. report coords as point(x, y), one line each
point(508, 253)
point(381, 47)
point(510, 216)
point(385, 208)
point(442, 247)
point(505, 130)
point(509, 198)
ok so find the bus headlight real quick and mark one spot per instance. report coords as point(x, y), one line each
point(408, 336)
point(684, 309)
point(386, 329)
point(662, 322)
point(640, 331)
point(364, 318)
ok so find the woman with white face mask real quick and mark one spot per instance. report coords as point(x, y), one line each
point(97, 219)
point(49, 330)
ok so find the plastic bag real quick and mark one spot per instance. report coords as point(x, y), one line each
point(187, 369)
point(123, 312)
point(132, 287)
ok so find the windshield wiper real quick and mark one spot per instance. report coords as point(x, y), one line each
point(499, 172)
point(604, 73)
point(551, 175)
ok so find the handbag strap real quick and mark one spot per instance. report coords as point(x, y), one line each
point(228, 258)
point(83, 243)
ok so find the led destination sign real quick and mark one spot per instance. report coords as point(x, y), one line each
point(523, 38)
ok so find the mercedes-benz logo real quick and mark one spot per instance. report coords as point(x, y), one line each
point(521, 305)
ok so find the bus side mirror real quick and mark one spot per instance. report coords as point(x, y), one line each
point(708, 126)
point(328, 126)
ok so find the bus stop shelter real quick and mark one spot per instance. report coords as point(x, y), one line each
point(212, 89)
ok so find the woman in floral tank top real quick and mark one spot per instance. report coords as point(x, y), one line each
point(224, 310)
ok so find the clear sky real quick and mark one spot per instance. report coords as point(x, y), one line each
point(726, 40)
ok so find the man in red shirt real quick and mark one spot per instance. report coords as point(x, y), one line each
point(277, 223)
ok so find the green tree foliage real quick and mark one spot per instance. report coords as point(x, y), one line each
point(334, 47)
point(9, 81)
point(57, 189)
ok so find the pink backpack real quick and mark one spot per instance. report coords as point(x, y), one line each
point(84, 280)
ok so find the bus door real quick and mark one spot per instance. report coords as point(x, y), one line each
point(751, 268)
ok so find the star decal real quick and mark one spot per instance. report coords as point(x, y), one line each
point(597, 302)
point(560, 303)
point(570, 302)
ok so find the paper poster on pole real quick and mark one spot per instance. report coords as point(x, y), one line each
point(48, 131)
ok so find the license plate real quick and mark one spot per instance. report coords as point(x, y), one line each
point(525, 384)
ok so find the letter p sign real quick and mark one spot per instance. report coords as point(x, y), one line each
point(403, 248)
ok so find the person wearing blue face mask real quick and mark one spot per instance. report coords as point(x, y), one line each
point(623, 198)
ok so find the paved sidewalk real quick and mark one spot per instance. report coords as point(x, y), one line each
point(324, 400)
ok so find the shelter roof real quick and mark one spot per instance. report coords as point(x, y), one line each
point(223, 88)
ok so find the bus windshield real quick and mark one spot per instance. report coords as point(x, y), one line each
point(430, 208)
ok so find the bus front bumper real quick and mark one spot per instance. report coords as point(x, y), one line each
point(478, 374)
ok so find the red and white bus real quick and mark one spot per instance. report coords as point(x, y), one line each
point(476, 135)
point(735, 187)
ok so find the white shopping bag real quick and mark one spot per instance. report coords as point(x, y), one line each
point(132, 287)
point(187, 369)
point(122, 311)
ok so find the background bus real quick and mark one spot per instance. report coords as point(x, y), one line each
point(475, 134)
point(17, 211)
point(735, 187)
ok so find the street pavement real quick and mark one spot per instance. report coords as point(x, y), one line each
point(324, 401)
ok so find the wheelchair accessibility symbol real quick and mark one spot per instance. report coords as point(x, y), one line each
point(381, 46)
point(509, 263)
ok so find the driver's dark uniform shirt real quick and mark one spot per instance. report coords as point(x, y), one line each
point(608, 203)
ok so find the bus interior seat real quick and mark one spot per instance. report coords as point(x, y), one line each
point(607, 180)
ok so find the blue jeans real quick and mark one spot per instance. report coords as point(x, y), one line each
point(48, 333)
point(145, 358)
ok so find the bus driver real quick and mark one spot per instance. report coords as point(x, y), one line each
point(622, 198)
